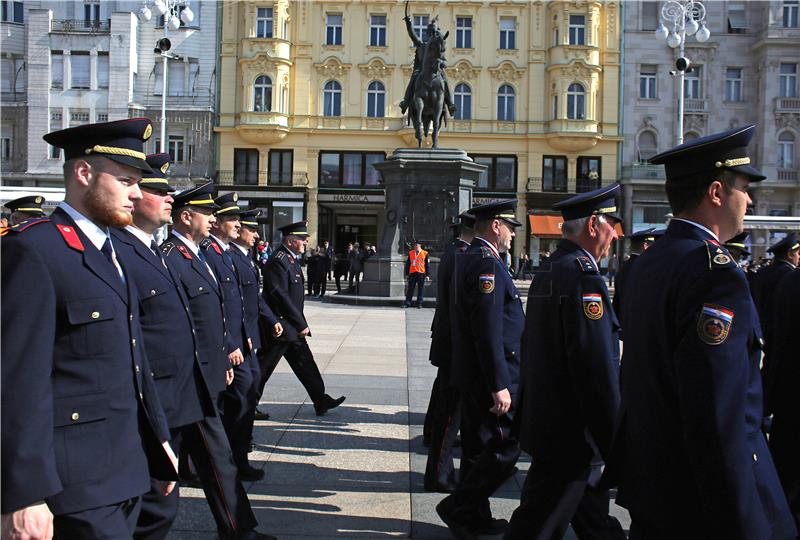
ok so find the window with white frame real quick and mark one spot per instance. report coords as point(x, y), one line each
point(264, 22)
point(5, 148)
point(175, 78)
point(463, 32)
point(576, 102)
point(376, 98)
point(332, 99)
point(262, 94)
point(692, 89)
point(790, 10)
point(647, 82)
point(506, 102)
point(91, 14)
point(462, 98)
point(737, 18)
point(78, 117)
point(333, 29)
point(56, 69)
point(12, 11)
point(377, 30)
point(419, 23)
point(788, 80)
point(176, 145)
point(102, 70)
point(80, 66)
point(577, 29)
point(56, 123)
point(508, 33)
point(733, 84)
point(786, 150)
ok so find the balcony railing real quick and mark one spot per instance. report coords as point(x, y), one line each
point(643, 171)
point(694, 105)
point(561, 185)
point(81, 25)
point(787, 175)
point(263, 178)
point(785, 104)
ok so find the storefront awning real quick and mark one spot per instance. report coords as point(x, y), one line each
point(550, 226)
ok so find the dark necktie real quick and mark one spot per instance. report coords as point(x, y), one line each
point(202, 256)
point(157, 252)
point(108, 251)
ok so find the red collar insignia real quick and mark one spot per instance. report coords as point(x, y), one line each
point(216, 248)
point(70, 237)
point(184, 252)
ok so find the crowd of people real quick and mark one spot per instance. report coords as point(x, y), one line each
point(140, 364)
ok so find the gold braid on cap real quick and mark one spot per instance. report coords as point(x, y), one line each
point(28, 210)
point(228, 209)
point(505, 216)
point(606, 210)
point(154, 181)
point(97, 149)
point(733, 162)
point(201, 201)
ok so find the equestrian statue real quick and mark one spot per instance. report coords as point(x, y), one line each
point(427, 96)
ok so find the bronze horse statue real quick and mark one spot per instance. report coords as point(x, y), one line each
point(427, 108)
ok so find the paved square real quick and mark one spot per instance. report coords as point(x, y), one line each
point(356, 472)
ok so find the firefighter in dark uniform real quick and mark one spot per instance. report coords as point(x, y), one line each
point(192, 213)
point(640, 241)
point(784, 437)
point(284, 294)
point(256, 311)
point(237, 412)
point(786, 255)
point(689, 455)
point(737, 248)
point(569, 395)
point(444, 413)
point(83, 428)
point(488, 321)
point(25, 208)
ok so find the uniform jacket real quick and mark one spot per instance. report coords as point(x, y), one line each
point(441, 342)
point(168, 332)
point(690, 441)
point(205, 304)
point(81, 416)
point(254, 305)
point(232, 298)
point(619, 284)
point(570, 370)
point(284, 292)
point(488, 322)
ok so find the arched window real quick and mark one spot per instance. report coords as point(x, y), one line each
point(376, 98)
point(332, 105)
point(648, 145)
point(576, 102)
point(505, 103)
point(462, 98)
point(786, 150)
point(262, 94)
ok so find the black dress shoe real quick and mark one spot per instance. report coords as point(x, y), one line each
point(493, 527)
point(250, 474)
point(191, 480)
point(261, 415)
point(460, 529)
point(328, 404)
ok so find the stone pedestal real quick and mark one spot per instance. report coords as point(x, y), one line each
point(426, 190)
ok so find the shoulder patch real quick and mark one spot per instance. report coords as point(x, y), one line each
point(19, 227)
point(280, 255)
point(184, 252)
point(167, 247)
point(714, 324)
point(486, 283)
point(586, 264)
point(487, 253)
point(70, 236)
point(593, 306)
point(718, 256)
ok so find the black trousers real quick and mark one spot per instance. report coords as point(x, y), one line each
point(490, 449)
point(415, 279)
point(556, 494)
point(784, 443)
point(355, 276)
point(300, 359)
point(111, 522)
point(239, 402)
point(319, 287)
point(206, 443)
point(444, 417)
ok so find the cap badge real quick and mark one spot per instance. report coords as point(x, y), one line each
point(38, 200)
point(714, 324)
point(722, 259)
point(165, 168)
point(147, 132)
point(235, 197)
point(593, 306)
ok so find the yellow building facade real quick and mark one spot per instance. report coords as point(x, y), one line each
point(310, 93)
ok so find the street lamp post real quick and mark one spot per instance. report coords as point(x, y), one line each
point(174, 11)
point(686, 18)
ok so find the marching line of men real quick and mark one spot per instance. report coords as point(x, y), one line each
point(127, 354)
point(676, 423)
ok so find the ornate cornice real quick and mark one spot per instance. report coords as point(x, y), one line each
point(463, 70)
point(376, 69)
point(507, 72)
point(332, 68)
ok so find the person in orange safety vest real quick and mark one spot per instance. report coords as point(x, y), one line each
point(417, 271)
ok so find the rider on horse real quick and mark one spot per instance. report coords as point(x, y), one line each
point(418, 55)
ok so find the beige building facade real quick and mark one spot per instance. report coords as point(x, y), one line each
point(309, 95)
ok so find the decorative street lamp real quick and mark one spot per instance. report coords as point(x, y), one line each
point(174, 12)
point(685, 18)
